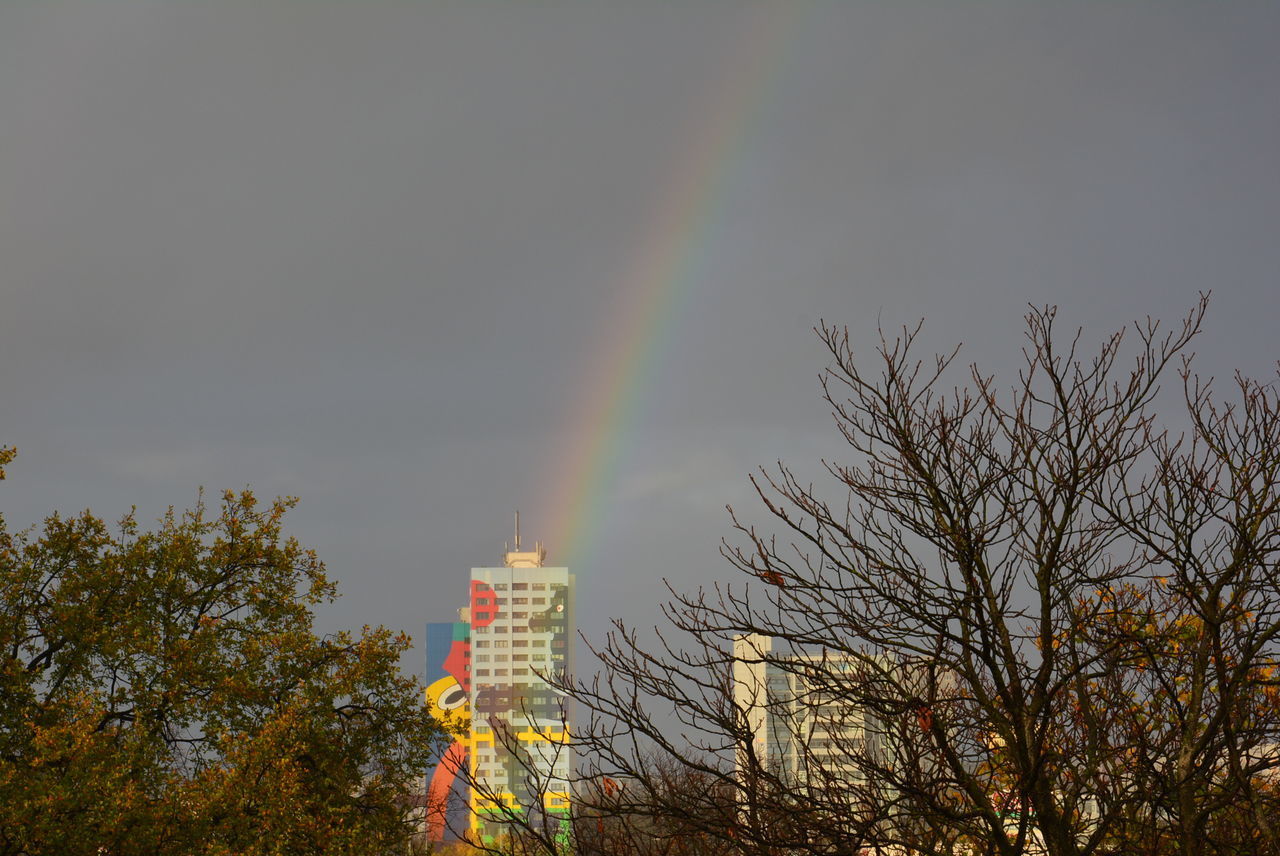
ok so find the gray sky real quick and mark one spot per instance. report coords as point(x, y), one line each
point(367, 253)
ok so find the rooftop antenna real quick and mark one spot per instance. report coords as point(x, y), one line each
point(517, 531)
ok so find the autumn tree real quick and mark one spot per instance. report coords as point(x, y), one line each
point(1022, 616)
point(164, 692)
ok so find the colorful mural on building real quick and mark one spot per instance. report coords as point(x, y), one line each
point(448, 697)
point(486, 680)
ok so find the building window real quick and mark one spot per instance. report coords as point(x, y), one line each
point(519, 643)
point(499, 586)
point(539, 586)
point(519, 671)
point(499, 673)
point(519, 657)
point(519, 615)
point(519, 586)
point(520, 629)
point(482, 673)
point(483, 643)
point(500, 643)
point(519, 600)
point(539, 601)
point(482, 658)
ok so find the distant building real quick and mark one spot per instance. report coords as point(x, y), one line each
point(516, 630)
point(801, 728)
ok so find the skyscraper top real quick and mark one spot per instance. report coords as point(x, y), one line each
point(527, 559)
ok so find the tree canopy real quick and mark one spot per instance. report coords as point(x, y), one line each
point(1030, 615)
point(164, 691)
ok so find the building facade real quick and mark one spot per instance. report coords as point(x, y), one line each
point(803, 729)
point(448, 682)
point(515, 632)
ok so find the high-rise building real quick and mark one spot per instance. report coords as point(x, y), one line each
point(515, 633)
point(802, 727)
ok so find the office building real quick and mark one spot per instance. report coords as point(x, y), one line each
point(803, 730)
point(515, 632)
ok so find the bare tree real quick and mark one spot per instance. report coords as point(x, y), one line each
point(1023, 619)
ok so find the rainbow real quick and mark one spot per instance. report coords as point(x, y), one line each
point(656, 282)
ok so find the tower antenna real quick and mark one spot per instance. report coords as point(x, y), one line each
point(517, 531)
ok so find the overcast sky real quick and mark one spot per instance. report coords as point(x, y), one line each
point(370, 254)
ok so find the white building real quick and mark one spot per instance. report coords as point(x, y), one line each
point(522, 629)
point(804, 728)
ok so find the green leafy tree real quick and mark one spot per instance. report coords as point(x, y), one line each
point(164, 692)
